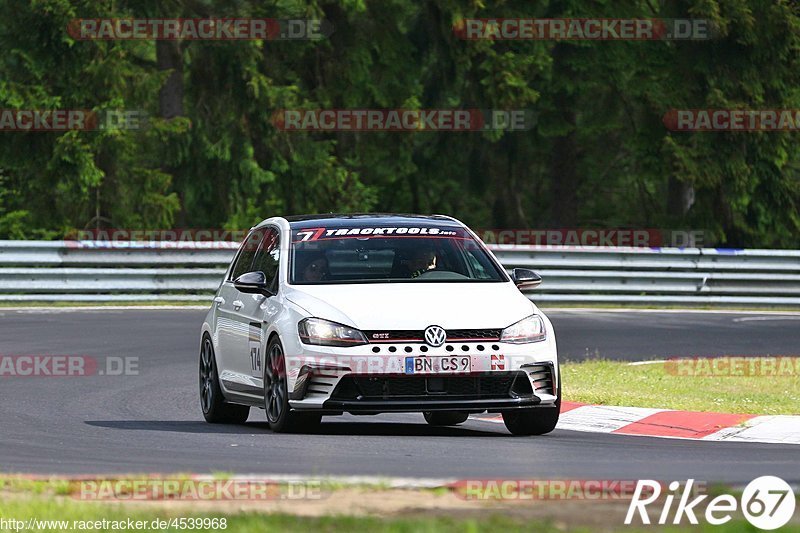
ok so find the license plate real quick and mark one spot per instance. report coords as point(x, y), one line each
point(438, 365)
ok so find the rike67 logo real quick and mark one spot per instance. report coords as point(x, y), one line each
point(767, 502)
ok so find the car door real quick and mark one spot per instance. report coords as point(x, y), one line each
point(228, 329)
point(250, 311)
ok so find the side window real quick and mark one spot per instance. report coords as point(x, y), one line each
point(475, 265)
point(246, 253)
point(268, 255)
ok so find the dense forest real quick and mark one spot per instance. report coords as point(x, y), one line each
point(598, 154)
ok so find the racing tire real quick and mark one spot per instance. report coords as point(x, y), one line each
point(436, 418)
point(535, 421)
point(215, 409)
point(280, 417)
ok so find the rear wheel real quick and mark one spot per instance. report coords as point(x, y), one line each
point(215, 409)
point(436, 418)
point(276, 395)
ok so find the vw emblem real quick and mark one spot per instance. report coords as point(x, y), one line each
point(435, 336)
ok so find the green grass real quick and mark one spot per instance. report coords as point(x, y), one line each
point(247, 522)
point(256, 522)
point(617, 383)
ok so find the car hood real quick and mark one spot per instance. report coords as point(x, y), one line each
point(414, 305)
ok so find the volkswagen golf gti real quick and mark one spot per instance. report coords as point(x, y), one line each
point(365, 314)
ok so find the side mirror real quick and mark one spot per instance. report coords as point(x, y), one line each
point(525, 278)
point(252, 283)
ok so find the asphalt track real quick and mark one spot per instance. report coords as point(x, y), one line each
point(151, 422)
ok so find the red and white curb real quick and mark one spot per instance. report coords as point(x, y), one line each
point(778, 429)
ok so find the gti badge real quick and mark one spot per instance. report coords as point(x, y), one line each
point(435, 336)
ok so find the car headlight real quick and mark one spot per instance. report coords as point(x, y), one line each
point(530, 329)
point(326, 333)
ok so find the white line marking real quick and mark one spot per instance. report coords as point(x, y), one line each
point(765, 318)
point(777, 429)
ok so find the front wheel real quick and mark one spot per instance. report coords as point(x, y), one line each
point(215, 409)
point(276, 395)
point(537, 421)
point(436, 418)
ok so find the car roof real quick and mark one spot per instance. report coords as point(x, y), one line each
point(344, 219)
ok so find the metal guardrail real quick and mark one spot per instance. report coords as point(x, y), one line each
point(96, 271)
point(660, 276)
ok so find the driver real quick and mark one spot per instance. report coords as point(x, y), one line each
point(421, 260)
point(315, 268)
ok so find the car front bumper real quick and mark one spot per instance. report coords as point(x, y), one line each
point(360, 380)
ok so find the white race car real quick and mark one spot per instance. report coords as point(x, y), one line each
point(365, 314)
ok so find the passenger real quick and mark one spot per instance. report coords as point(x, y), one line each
point(315, 269)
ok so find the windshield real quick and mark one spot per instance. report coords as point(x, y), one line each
point(374, 254)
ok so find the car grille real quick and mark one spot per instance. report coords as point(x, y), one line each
point(399, 335)
point(410, 335)
point(488, 386)
point(474, 334)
